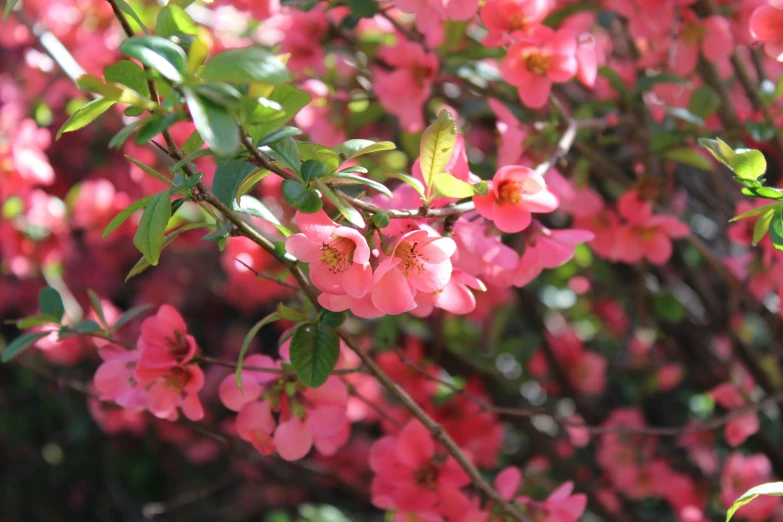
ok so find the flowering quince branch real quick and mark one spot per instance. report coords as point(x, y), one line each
point(476, 251)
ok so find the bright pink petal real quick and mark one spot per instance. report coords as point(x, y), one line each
point(317, 227)
point(325, 421)
point(293, 440)
point(254, 416)
point(512, 218)
point(162, 400)
point(718, 42)
point(357, 280)
point(438, 250)
point(541, 202)
point(414, 445)
point(452, 475)
point(303, 248)
point(432, 277)
point(535, 92)
point(658, 248)
point(362, 252)
point(230, 395)
point(192, 408)
point(508, 482)
point(456, 298)
point(325, 279)
point(391, 293)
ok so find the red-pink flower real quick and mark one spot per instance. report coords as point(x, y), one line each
point(164, 341)
point(712, 35)
point(407, 478)
point(534, 64)
point(419, 262)
point(514, 193)
point(456, 297)
point(502, 17)
point(255, 424)
point(252, 382)
point(114, 379)
point(646, 235)
point(338, 256)
point(548, 249)
point(172, 388)
point(766, 25)
point(740, 473)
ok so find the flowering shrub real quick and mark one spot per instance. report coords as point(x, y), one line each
point(444, 261)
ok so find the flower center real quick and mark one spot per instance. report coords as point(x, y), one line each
point(338, 254)
point(538, 63)
point(177, 378)
point(693, 33)
point(411, 259)
point(178, 346)
point(425, 476)
point(510, 192)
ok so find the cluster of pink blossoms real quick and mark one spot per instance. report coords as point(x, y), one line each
point(160, 375)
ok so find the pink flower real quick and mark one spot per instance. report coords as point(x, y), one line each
point(430, 15)
point(508, 482)
point(766, 25)
point(712, 35)
point(456, 297)
point(172, 388)
point(419, 262)
point(514, 193)
point(740, 473)
point(338, 256)
point(482, 253)
point(548, 249)
point(252, 382)
point(533, 65)
point(646, 235)
point(407, 478)
point(502, 17)
point(404, 90)
point(114, 379)
point(562, 506)
point(164, 341)
point(255, 425)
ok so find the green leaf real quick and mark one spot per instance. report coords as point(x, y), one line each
point(289, 314)
point(776, 228)
point(120, 218)
point(95, 301)
point(90, 83)
point(315, 349)
point(353, 216)
point(219, 233)
point(410, 180)
point(615, 81)
point(363, 8)
point(217, 127)
point(283, 132)
point(668, 308)
point(85, 115)
point(185, 183)
point(221, 94)
point(448, 186)
point(249, 182)
point(719, 149)
point(437, 144)
point(155, 125)
point(763, 192)
point(36, 320)
point(252, 207)
point(292, 100)
point(271, 318)
point(309, 150)
point(754, 212)
point(228, 177)
point(159, 54)
point(193, 143)
point(762, 225)
point(9, 6)
point(685, 115)
point(130, 315)
point(333, 319)
point(149, 170)
point(257, 111)
point(149, 236)
point(704, 102)
point(355, 168)
point(749, 164)
point(186, 160)
point(301, 197)
point(647, 82)
point(286, 152)
point(142, 264)
point(119, 139)
point(760, 131)
point(690, 157)
point(128, 10)
point(246, 65)
point(129, 74)
point(354, 148)
point(21, 343)
point(313, 169)
point(773, 489)
point(50, 303)
point(173, 20)
point(343, 178)
point(85, 326)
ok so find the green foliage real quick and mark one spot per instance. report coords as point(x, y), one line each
point(131, 314)
point(152, 227)
point(354, 148)
point(149, 170)
point(773, 489)
point(313, 169)
point(410, 180)
point(749, 164)
point(271, 318)
point(315, 349)
point(381, 219)
point(129, 74)
point(291, 100)
point(719, 149)
point(128, 10)
point(446, 185)
point(127, 212)
point(9, 6)
point(143, 264)
point(353, 216)
point(301, 197)
point(252, 207)
point(437, 144)
point(690, 157)
point(159, 54)
point(217, 127)
point(173, 20)
point(50, 303)
point(245, 65)
point(287, 153)
point(85, 115)
point(343, 178)
point(776, 228)
point(229, 177)
point(20, 344)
